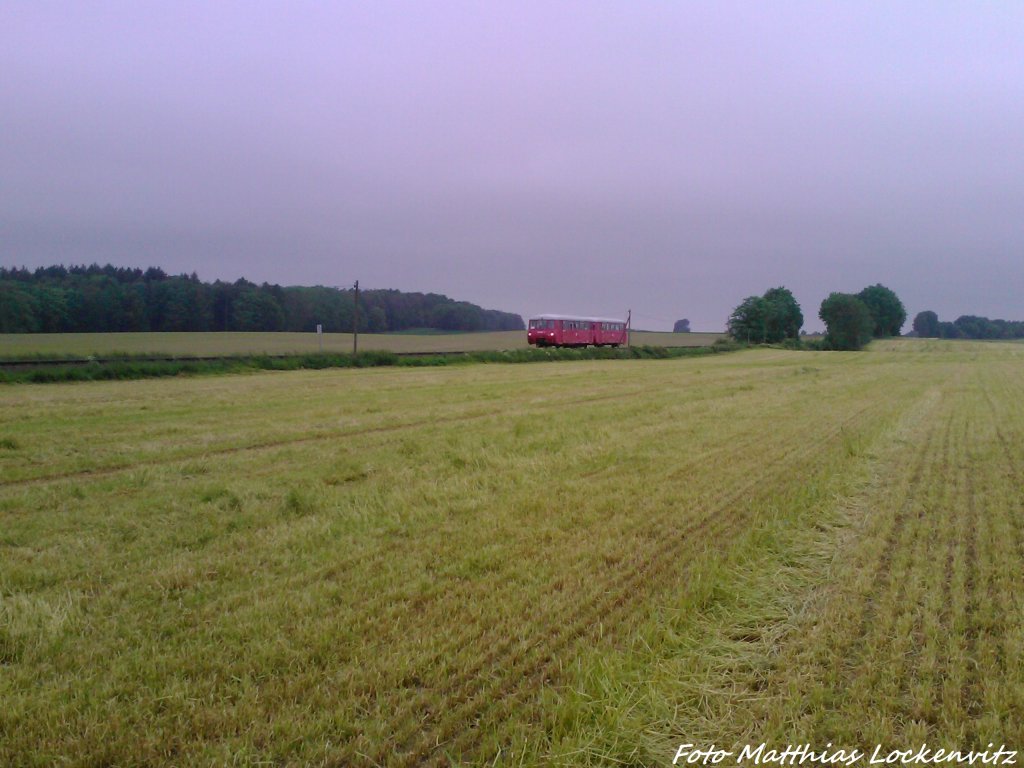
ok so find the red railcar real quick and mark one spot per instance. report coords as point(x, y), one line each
point(571, 331)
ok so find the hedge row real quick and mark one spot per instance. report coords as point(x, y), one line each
point(123, 369)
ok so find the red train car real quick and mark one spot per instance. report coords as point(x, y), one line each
point(571, 331)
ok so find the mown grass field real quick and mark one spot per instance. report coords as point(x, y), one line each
point(572, 563)
point(21, 345)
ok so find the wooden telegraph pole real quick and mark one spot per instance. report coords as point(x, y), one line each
point(355, 324)
point(629, 325)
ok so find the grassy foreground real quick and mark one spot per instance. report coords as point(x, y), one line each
point(581, 563)
point(15, 346)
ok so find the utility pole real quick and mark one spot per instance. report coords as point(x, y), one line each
point(629, 325)
point(355, 324)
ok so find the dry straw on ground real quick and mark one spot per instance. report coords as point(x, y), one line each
point(575, 563)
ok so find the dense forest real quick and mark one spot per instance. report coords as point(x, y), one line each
point(97, 299)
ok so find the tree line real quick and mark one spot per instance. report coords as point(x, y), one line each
point(851, 320)
point(92, 298)
point(928, 325)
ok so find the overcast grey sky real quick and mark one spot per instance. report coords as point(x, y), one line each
point(574, 157)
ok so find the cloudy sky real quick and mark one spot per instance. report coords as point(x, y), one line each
point(574, 157)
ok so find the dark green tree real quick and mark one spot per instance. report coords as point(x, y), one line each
point(748, 322)
point(19, 309)
point(926, 324)
point(257, 310)
point(53, 308)
point(767, 319)
point(784, 318)
point(848, 321)
point(887, 311)
point(377, 320)
point(949, 330)
point(974, 327)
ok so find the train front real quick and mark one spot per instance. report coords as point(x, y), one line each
point(541, 332)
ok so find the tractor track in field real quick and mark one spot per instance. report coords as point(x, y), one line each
point(909, 543)
point(933, 608)
point(850, 647)
point(960, 528)
point(971, 691)
point(1011, 453)
point(948, 521)
point(954, 519)
point(102, 472)
point(606, 607)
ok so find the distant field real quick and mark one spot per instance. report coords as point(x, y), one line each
point(584, 563)
point(13, 345)
point(665, 339)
